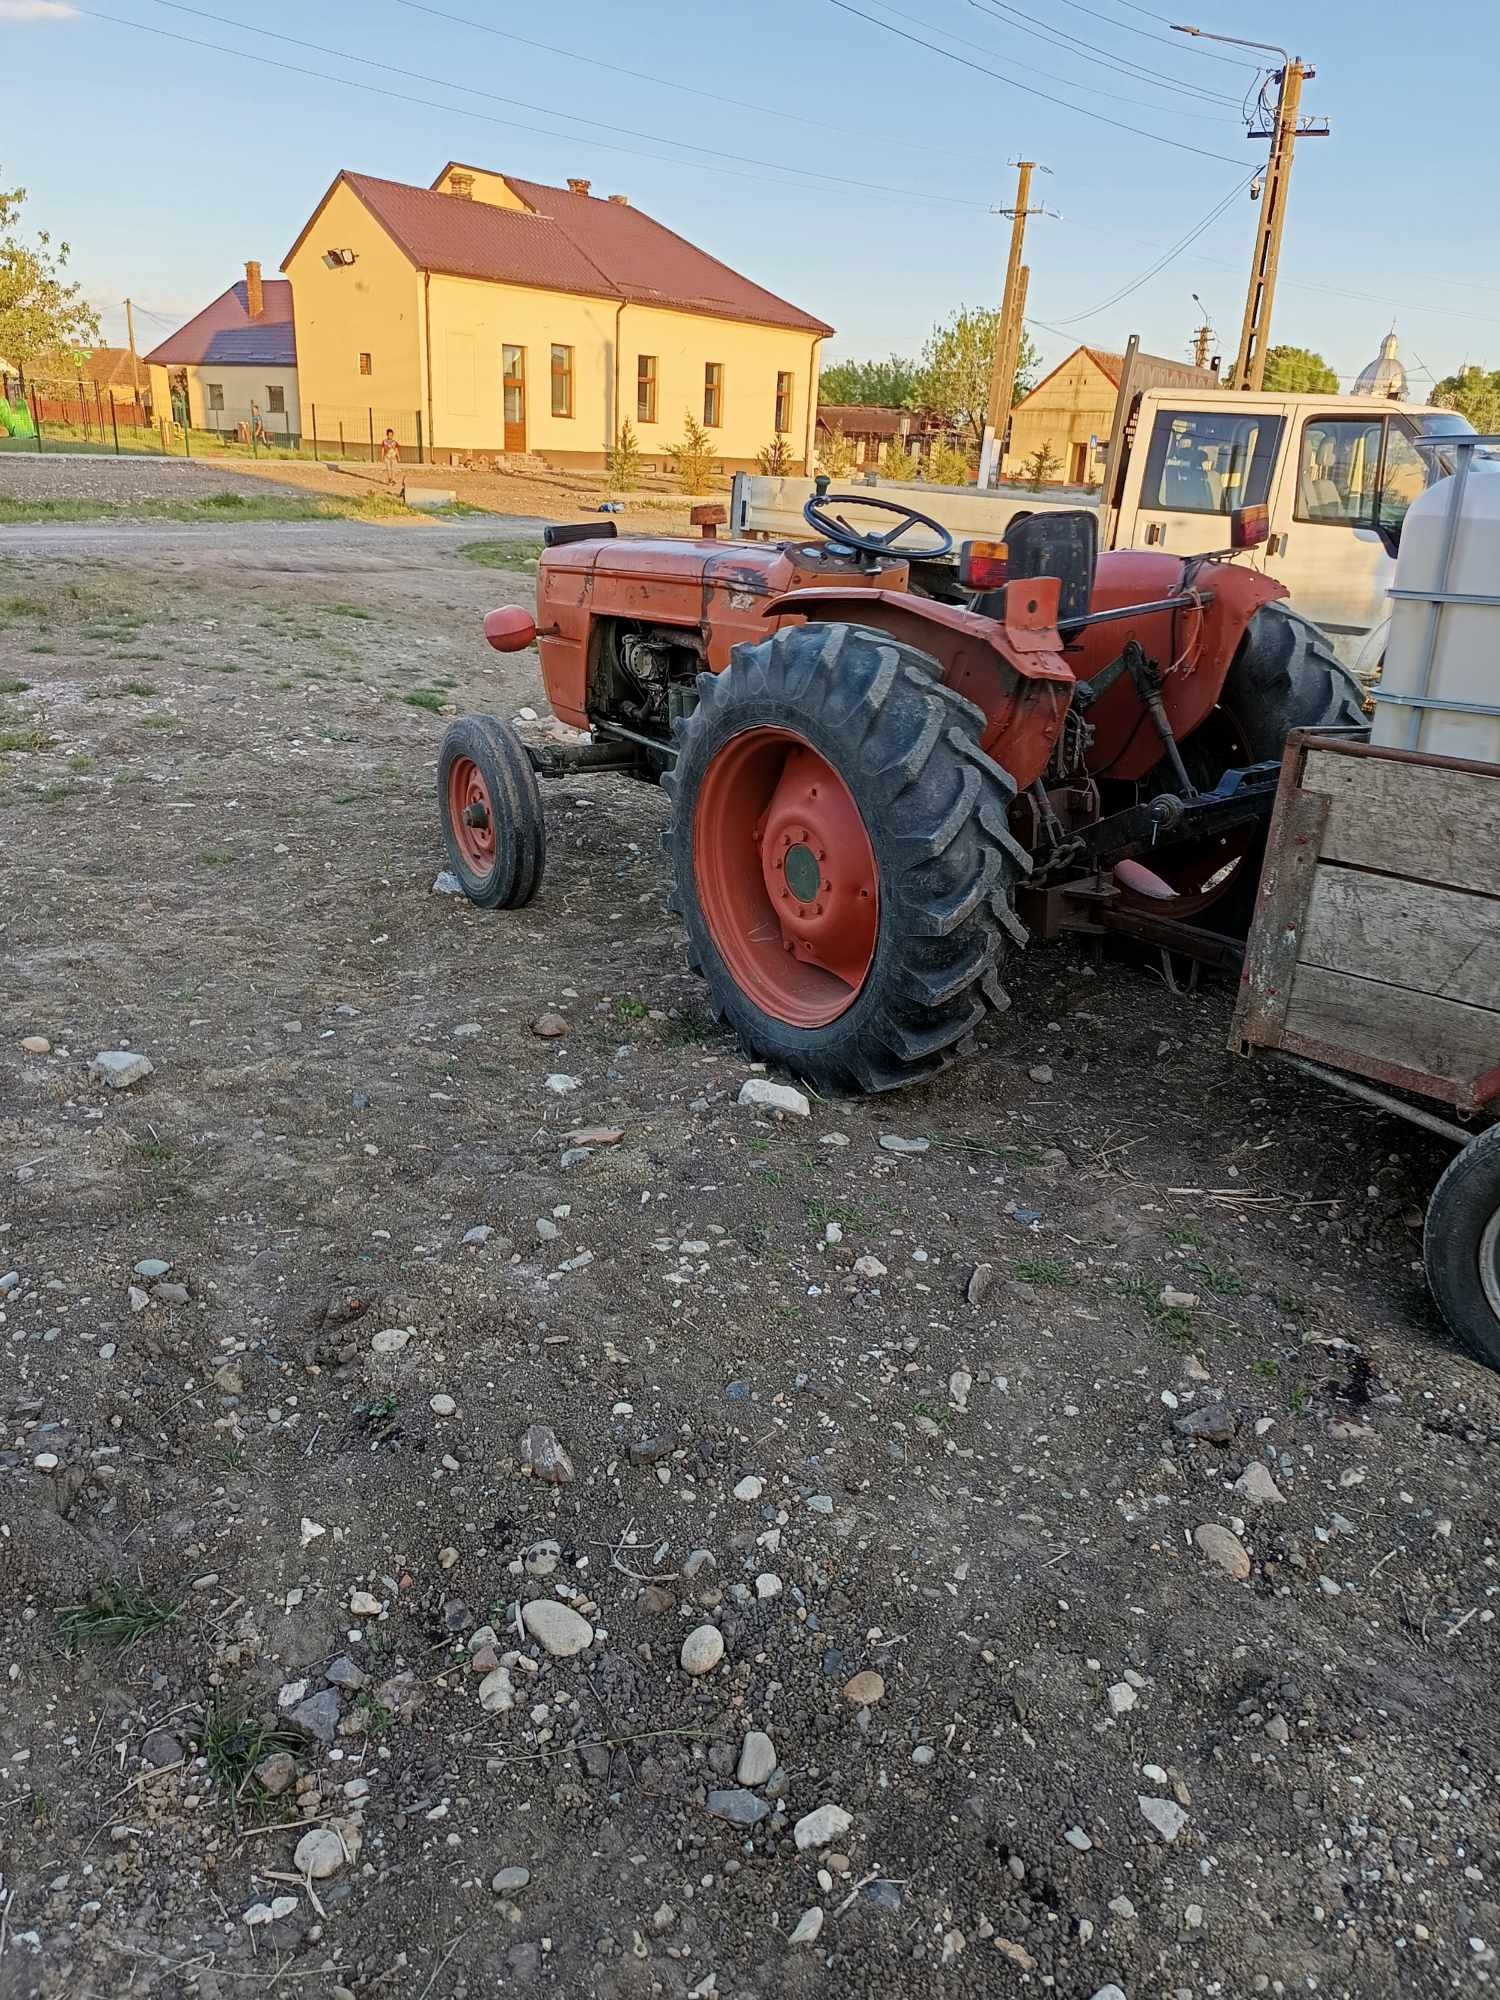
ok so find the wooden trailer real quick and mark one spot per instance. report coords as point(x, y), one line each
point(1374, 963)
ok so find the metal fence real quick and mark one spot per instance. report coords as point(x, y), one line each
point(362, 431)
point(82, 413)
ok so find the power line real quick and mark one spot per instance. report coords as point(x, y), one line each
point(514, 125)
point(1234, 62)
point(1101, 58)
point(1182, 243)
point(1179, 145)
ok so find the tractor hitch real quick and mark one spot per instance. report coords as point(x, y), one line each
point(1239, 799)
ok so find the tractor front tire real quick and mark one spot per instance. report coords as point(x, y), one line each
point(842, 857)
point(490, 809)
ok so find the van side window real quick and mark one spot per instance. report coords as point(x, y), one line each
point(1210, 461)
point(1357, 472)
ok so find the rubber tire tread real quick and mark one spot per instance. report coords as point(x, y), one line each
point(936, 811)
point(520, 829)
point(1463, 1203)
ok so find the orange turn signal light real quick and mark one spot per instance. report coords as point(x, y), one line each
point(983, 565)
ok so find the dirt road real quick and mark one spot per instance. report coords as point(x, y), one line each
point(1084, 1532)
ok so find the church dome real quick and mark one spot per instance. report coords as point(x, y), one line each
point(1384, 376)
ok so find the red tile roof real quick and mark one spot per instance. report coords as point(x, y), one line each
point(564, 242)
point(224, 334)
point(110, 368)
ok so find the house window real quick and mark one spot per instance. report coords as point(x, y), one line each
point(215, 395)
point(562, 381)
point(784, 399)
point(713, 393)
point(645, 388)
point(275, 400)
point(364, 364)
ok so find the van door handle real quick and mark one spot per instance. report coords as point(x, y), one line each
point(1276, 545)
point(1155, 532)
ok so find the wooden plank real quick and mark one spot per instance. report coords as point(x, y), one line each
point(1407, 934)
point(1422, 821)
point(1372, 1029)
point(1274, 946)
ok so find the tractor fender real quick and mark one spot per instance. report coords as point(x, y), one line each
point(1024, 694)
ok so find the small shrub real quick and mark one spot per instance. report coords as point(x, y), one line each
point(1041, 466)
point(836, 453)
point(694, 459)
point(896, 462)
point(775, 458)
point(947, 466)
point(625, 462)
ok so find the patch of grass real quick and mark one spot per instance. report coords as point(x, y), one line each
point(1223, 1282)
point(1266, 1367)
point(631, 1009)
point(426, 698)
point(234, 1744)
point(118, 1614)
point(210, 859)
point(517, 555)
point(377, 1718)
point(1298, 1399)
point(345, 611)
point(28, 736)
point(153, 1153)
point(1187, 1234)
point(82, 761)
point(139, 687)
point(212, 507)
point(158, 721)
point(53, 795)
point(14, 687)
point(1043, 1271)
point(41, 649)
point(1176, 1322)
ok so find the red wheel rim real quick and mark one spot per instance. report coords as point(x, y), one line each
point(786, 877)
point(471, 815)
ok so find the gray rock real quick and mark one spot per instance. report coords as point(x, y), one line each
point(884, 1894)
point(544, 1456)
point(757, 1758)
point(480, 1233)
point(506, 1881)
point(823, 1824)
point(120, 1068)
point(762, 1095)
point(170, 1295)
point(446, 884)
point(702, 1650)
point(561, 1631)
point(152, 1267)
point(319, 1853)
point(738, 1807)
point(1164, 1816)
point(1110, 1992)
point(161, 1748)
point(1214, 1423)
point(1257, 1484)
point(894, 1143)
point(574, 1156)
point(343, 1673)
point(318, 1716)
point(274, 1773)
point(981, 1279)
point(1223, 1548)
point(11, 1282)
point(809, 1924)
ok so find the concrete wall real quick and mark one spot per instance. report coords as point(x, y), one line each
point(1073, 404)
point(373, 306)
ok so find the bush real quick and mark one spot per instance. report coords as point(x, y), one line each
point(775, 458)
point(1040, 467)
point(836, 453)
point(948, 466)
point(896, 462)
point(693, 460)
point(625, 461)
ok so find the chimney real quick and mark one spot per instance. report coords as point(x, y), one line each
point(461, 186)
point(578, 187)
point(622, 199)
point(255, 298)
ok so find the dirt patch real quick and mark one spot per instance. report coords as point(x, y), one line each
point(286, 1313)
point(119, 482)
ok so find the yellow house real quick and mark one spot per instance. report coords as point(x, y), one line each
point(234, 363)
point(1070, 411)
point(487, 314)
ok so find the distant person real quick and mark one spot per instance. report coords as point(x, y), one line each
point(390, 458)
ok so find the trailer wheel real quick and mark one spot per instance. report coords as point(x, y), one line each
point(1461, 1246)
point(491, 812)
point(842, 858)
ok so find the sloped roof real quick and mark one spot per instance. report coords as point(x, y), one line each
point(110, 368)
point(224, 334)
point(1165, 372)
point(565, 242)
point(867, 419)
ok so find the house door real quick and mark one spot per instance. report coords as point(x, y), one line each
point(1078, 464)
point(515, 398)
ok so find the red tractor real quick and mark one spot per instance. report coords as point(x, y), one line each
point(885, 764)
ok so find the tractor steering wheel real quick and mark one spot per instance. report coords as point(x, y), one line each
point(837, 531)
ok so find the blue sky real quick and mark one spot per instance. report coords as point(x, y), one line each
point(166, 164)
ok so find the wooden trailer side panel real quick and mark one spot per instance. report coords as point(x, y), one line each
point(1376, 946)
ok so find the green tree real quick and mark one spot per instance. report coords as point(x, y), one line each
point(1475, 393)
point(890, 383)
point(694, 460)
point(1041, 465)
point(775, 458)
point(948, 466)
point(625, 461)
point(42, 315)
point(896, 462)
point(835, 452)
point(956, 366)
point(1298, 371)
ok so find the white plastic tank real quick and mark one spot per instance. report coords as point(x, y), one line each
point(1446, 655)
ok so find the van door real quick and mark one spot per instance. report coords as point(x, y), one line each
point(1199, 466)
point(1346, 482)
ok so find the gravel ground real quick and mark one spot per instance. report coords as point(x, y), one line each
point(541, 1524)
point(118, 480)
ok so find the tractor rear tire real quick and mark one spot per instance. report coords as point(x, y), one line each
point(1287, 676)
point(490, 808)
point(907, 816)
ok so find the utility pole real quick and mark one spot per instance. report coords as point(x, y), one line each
point(130, 335)
point(1007, 329)
point(1283, 133)
point(1203, 335)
